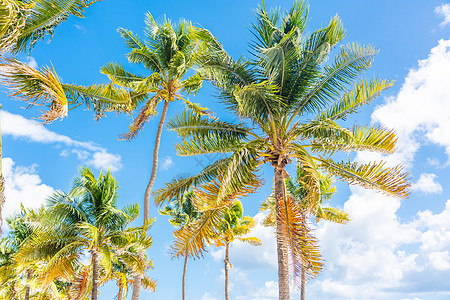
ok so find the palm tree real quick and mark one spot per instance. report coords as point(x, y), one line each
point(169, 52)
point(22, 24)
point(291, 100)
point(297, 192)
point(86, 220)
point(183, 213)
point(234, 226)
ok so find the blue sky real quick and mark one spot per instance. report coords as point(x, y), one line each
point(391, 249)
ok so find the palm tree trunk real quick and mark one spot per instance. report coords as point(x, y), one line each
point(2, 185)
point(183, 285)
point(282, 250)
point(303, 278)
point(119, 295)
point(148, 192)
point(95, 274)
point(27, 286)
point(227, 267)
point(303, 284)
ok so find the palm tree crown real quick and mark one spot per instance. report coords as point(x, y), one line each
point(293, 102)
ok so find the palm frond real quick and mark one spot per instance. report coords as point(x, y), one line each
point(303, 246)
point(45, 16)
point(390, 181)
point(37, 87)
point(376, 139)
point(118, 75)
point(333, 215)
point(363, 93)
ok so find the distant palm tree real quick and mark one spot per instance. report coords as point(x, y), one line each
point(183, 213)
point(16, 279)
point(234, 226)
point(86, 220)
point(291, 100)
point(296, 191)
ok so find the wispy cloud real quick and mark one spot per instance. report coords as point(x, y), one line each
point(21, 128)
point(81, 28)
point(444, 12)
point(31, 61)
point(167, 163)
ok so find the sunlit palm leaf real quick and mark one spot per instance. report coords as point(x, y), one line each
point(294, 232)
point(45, 16)
point(37, 87)
point(391, 181)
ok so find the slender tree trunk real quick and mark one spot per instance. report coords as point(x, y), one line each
point(2, 186)
point(27, 286)
point(282, 249)
point(183, 284)
point(119, 295)
point(95, 274)
point(227, 268)
point(138, 278)
point(303, 278)
point(303, 284)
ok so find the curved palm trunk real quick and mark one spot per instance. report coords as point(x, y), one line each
point(148, 191)
point(95, 274)
point(27, 286)
point(282, 249)
point(227, 268)
point(119, 295)
point(184, 277)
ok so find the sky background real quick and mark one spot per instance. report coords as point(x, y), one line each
point(392, 249)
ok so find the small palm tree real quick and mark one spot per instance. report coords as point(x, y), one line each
point(86, 220)
point(183, 213)
point(292, 101)
point(297, 192)
point(234, 226)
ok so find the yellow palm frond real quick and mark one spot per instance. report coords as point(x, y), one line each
point(295, 233)
point(37, 87)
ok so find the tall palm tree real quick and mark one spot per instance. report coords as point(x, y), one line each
point(168, 53)
point(183, 213)
point(86, 220)
point(234, 226)
point(292, 101)
point(296, 191)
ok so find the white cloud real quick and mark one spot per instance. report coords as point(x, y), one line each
point(167, 163)
point(81, 28)
point(22, 185)
point(19, 127)
point(427, 184)
point(444, 11)
point(207, 296)
point(379, 254)
point(424, 100)
point(31, 61)
point(104, 160)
